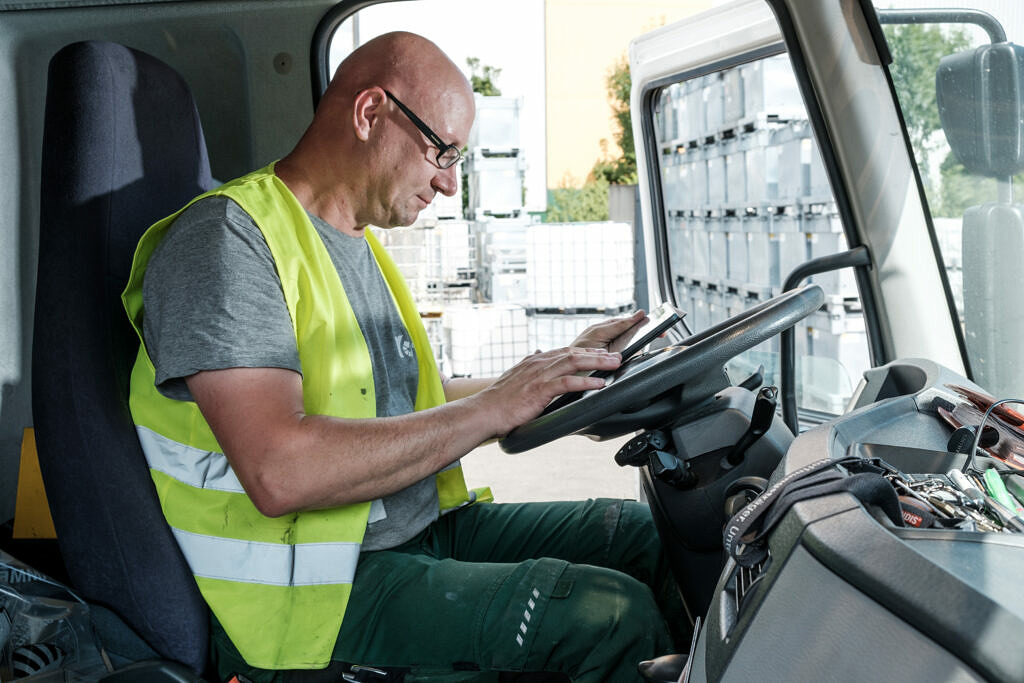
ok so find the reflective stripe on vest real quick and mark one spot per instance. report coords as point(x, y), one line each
point(193, 466)
point(279, 586)
point(302, 564)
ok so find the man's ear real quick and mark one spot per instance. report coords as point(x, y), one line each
point(367, 110)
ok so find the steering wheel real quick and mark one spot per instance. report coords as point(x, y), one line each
point(654, 374)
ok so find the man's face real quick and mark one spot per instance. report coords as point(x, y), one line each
point(410, 175)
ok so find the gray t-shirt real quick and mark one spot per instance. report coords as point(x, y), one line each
point(213, 300)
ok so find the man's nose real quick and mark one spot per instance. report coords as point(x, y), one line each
point(445, 180)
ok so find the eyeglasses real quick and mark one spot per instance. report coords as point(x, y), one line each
point(447, 155)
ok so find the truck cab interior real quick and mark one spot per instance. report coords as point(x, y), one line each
point(825, 188)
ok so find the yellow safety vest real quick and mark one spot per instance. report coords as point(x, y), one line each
point(279, 586)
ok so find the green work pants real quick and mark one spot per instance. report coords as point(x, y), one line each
point(568, 587)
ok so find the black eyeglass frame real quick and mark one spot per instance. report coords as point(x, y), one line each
point(442, 146)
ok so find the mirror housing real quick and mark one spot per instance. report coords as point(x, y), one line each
point(979, 96)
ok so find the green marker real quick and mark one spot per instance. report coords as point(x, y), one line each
point(997, 489)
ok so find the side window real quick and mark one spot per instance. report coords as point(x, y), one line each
point(955, 72)
point(747, 200)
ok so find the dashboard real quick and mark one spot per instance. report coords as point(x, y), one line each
point(845, 594)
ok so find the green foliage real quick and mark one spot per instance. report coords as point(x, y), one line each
point(568, 204)
point(961, 190)
point(916, 51)
point(483, 77)
point(620, 170)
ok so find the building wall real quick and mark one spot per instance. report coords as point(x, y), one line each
point(578, 63)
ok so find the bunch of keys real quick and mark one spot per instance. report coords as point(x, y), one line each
point(933, 500)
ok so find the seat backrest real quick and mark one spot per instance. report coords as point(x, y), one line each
point(122, 148)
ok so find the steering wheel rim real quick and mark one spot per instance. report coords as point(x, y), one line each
point(705, 350)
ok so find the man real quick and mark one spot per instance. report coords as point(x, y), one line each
point(305, 447)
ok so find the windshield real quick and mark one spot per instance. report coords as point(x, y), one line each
point(958, 78)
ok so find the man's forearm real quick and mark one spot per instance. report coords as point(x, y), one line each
point(358, 460)
point(288, 461)
point(461, 387)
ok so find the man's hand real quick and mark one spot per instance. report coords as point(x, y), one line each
point(522, 392)
point(613, 334)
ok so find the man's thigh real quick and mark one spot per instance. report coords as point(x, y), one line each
point(604, 532)
point(442, 615)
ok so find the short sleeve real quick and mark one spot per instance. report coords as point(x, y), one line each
point(212, 298)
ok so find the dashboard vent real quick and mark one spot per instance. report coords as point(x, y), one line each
point(746, 579)
point(740, 585)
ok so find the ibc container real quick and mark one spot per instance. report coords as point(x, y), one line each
point(794, 160)
point(818, 187)
point(685, 244)
point(716, 307)
point(698, 309)
point(555, 330)
point(496, 126)
point(836, 357)
point(761, 156)
point(759, 250)
point(824, 238)
point(770, 88)
point(580, 265)
point(682, 290)
point(678, 247)
point(495, 184)
point(484, 340)
point(716, 176)
point(456, 249)
point(736, 250)
point(732, 96)
point(506, 288)
point(665, 114)
point(788, 247)
point(735, 172)
point(674, 186)
point(695, 109)
point(718, 256)
point(714, 103)
point(697, 171)
point(699, 235)
point(681, 105)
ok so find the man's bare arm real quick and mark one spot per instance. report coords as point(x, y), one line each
point(288, 461)
point(462, 387)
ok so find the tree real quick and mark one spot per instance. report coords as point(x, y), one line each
point(483, 77)
point(916, 50)
point(619, 170)
point(567, 204)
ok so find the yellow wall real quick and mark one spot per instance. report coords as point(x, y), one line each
point(578, 64)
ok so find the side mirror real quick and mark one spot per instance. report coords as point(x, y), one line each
point(979, 96)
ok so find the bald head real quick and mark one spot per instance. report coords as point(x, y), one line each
point(398, 61)
point(366, 158)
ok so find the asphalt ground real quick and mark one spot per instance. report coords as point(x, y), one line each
point(571, 468)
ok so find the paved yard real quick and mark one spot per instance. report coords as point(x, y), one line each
point(571, 468)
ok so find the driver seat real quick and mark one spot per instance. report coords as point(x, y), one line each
point(122, 147)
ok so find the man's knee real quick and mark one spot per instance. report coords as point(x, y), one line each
point(605, 600)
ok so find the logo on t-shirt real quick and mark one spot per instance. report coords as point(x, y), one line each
point(404, 345)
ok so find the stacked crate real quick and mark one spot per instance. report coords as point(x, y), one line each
point(501, 255)
point(747, 200)
point(494, 161)
point(438, 262)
